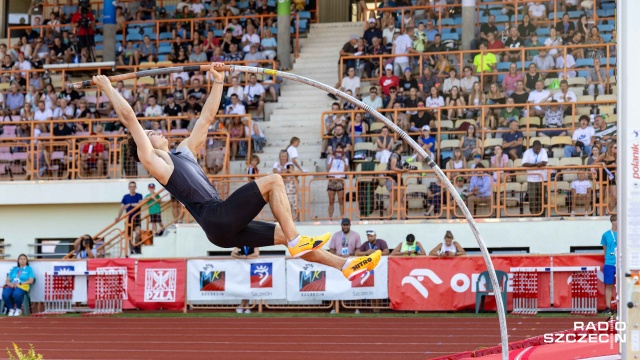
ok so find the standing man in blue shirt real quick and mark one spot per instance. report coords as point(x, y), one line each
point(129, 201)
point(480, 189)
point(609, 242)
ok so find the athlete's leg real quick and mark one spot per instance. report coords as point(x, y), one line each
point(273, 191)
point(321, 256)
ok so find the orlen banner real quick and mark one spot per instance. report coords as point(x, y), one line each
point(125, 266)
point(235, 279)
point(445, 284)
point(312, 281)
point(161, 284)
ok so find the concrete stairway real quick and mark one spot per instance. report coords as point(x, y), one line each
point(299, 108)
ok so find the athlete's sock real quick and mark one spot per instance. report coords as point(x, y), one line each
point(346, 264)
point(294, 242)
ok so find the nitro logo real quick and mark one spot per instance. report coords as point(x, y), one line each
point(635, 161)
point(366, 279)
point(261, 275)
point(212, 280)
point(160, 285)
point(313, 280)
point(361, 264)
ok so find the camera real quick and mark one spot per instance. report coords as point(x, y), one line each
point(289, 167)
point(406, 165)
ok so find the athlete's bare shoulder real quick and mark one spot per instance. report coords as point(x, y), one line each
point(162, 172)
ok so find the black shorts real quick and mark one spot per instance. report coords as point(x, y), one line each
point(155, 218)
point(231, 223)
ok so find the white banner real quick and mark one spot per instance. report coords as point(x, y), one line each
point(236, 279)
point(42, 267)
point(311, 281)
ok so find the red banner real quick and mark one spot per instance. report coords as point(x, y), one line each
point(125, 266)
point(446, 284)
point(161, 284)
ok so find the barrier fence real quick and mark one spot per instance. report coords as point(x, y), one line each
point(418, 283)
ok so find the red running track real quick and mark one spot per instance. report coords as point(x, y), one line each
point(258, 338)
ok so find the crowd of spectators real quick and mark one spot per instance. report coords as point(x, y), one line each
point(450, 95)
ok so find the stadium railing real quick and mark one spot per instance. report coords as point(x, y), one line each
point(447, 131)
point(51, 157)
point(417, 61)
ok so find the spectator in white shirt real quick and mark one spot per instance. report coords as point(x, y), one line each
point(536, 157)
point(537, 96)
point(42, 113)
point(292, 150)
point(373, 100)
point(154, 110)
point(581, 140)
point(403, 44)
point(537, 12)
point(581, 193)
point(254, 95)
point(351, 82)
point(571, 64)
point(235, 88)
point(565, 95)
point(250, 38)
point(236, 107)
point(451, 81)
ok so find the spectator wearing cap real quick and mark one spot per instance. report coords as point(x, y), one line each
point(536, 157)
point(409, 247)
point(154, 204)
point(480, 188)
point(448, 248)
point(344, 243)
point(371, 32)
point(426, 141)
point(372, 245)
point(408, 81)
point(402, 46)
point(553, 120)
point(254, 56)
point(193, 105)
point(388, 80)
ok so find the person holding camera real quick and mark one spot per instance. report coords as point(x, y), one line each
point(83, 22)
point(394, 167)
point(85, 248)
point(337, 163)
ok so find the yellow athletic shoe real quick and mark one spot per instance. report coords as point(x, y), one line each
point(362, 264)
point(307, 244)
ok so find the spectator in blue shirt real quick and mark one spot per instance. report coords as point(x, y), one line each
point(480, 189)
point(147, 51)
point(18, 283)
point(130, 201)
point(610, 243)
point(14, 100)
point(426, 141)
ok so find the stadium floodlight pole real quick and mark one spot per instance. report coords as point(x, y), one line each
point(501, 307)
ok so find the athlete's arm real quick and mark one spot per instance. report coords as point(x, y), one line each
point(156, 166)
point(198, 136)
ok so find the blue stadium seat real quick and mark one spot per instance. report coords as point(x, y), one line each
point(543, 31)
point(502, 66)
point(575, 14)
point(601, 13)
point(610, 12)
point(274, 30)
point(484, 19)
point(162, 57)
point(526, 64)
point(303, 25)
point(165, 36)
point(609, 6)
point(556, 15)
point(500, 77)
point(605, 28)
point(612, 61)
point(99, 38)
point(119, 37)
point(149, 31)
point(447, 22)
point(165, 48)
point(134, 36)
point(582, 73)
point(457, 20)
point(170, 8)
point(450, 36)
point(99, 47)
point(148, 25)
point(607, 37)
point(243, 4)
point(497, 12)
point(271, 3)
point(612, 72)
point(587, 62)
point(304, 15)
point(218, 33)
point(502, 19)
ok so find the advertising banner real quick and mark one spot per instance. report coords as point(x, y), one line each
point(236, 279)
point(445, 284)
point(160, 284)
point(48, 267)
point(562, 280)
point(125, 266)
point(311, 281)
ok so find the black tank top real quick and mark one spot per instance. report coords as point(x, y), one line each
point(189, 184)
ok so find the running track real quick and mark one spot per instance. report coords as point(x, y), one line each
point(257, 338)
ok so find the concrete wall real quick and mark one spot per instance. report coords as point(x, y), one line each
point(541, 236)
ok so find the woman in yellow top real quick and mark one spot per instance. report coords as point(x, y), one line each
point(410, 247)
point(19, 281)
